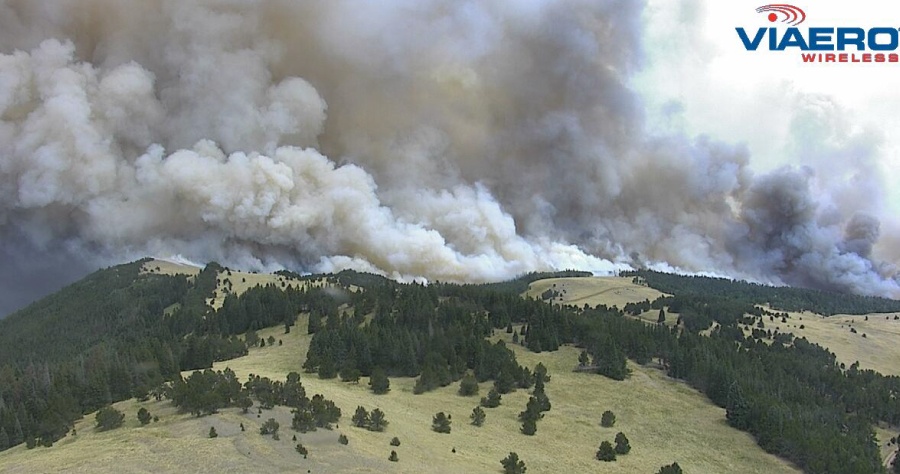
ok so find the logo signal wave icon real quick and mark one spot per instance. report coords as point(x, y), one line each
point(787, 13)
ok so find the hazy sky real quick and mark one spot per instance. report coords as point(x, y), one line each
point(699, 77)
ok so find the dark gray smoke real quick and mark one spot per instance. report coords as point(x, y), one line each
point(436, 139)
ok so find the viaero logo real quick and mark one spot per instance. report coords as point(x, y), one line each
point(881, 41)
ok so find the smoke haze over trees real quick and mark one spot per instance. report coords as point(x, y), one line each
point(453, 141)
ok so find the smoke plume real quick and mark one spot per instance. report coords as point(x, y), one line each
point(435, 139)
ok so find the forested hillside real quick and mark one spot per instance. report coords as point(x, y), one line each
point(121, 333)
point(117, 334)
point(778, 297)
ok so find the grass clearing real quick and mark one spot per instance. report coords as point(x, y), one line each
point(578, 291)
point(239, 281)
point(879, 350)
point(168, 267)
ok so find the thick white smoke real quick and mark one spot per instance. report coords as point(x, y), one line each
point(451, 140)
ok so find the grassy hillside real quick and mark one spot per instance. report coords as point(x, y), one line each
point(83, 314)
point(363, 322)
point(229, 281)
point(878, 350)
point(611, 291)
point(665, 420)
point(874, 345)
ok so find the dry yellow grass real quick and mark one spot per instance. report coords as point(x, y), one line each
point(879, 350)
point(243, 281)
point(229, 281)
point(611, 291)
point(167, 267)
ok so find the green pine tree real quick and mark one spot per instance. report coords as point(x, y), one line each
point(360, 418)
point(492, 400)
point(440, 423)
point(606, 452)
point(468, 386)
point(622, 444)
point(377, 421)
point(478, 416)
point(109, 418)
point(512, 464)
point(608, 419)
point(673, 468)
point(379, 382)
point(144, 416)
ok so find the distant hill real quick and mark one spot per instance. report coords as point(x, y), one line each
point(778, 297)
point(113, 301)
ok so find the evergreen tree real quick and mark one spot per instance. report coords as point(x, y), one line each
point(109, 418)
point(584, 359)
point(18, 435)
point(269, 427)
point(512, 464)
point(468, 386)
point(395, 441)
point(478, 416)
point(4, 440)
point(610, 360)
point(440, 423)
point(343, 439)
point(377, 421)
point(532, 409)
point(144, 416)
point(251, 338)
point(661, 319)
point(360, 418)
point(244, 402)
point(327, 369)
point(736, 409)
point(212, 432)
point(606, 452)
point(505, 382)
point(349, 373)
point(540, 372)
point(608, 419)
point(543, 401)
point(529, 426)
point(492, 400)
point(315, 323)
point(622, 444)
point(379, 382)
point(393, 457)
point(673, 468)
point(304, 420)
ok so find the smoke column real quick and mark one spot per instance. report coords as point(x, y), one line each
point(435, 139)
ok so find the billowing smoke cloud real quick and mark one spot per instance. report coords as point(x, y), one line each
point(435, 139)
